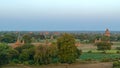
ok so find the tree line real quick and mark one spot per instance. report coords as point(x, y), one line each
point(37, 37)
point(62, 51)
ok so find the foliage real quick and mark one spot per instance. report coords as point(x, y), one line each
point(26, 52)
point(116, 64)
point(3, 54)
point(27, 38)
point(103, 46)
point(67, 51)
point(106, 59)
point(8, 38)
point(105, 38)
point(89, 51)
point(118, 52)
point(12, 54)
point(117, 48)
point(25, 46)
point(45, 54)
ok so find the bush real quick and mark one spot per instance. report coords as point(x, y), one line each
point(25, 46)
point(24, 57)
point(118, 52)
point(106, 60)
point(89, 59)
point(79, 52)
point(26, 63)
point(116, 64)
point(31, 62)
point(103, 46)
point(16, 61)
point(117, 48)
point(104, 52)
point(89, 51)
point(4, 57)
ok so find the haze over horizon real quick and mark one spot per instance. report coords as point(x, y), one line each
point(59, 15)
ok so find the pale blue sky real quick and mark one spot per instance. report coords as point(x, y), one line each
point(36, 15)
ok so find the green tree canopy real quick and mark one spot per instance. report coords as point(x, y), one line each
point(27, 38)
point(45, 54)
point(103, 46)
point(3, 53)
point(67, 51)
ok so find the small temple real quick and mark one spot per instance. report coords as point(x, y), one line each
point(107, 34)
point(18, 43)
point(98, 40)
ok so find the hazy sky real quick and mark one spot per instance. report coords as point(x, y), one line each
point(17, 15)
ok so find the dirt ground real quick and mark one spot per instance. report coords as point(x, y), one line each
point(95, 65)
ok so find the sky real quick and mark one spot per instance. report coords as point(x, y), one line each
point(59, 15)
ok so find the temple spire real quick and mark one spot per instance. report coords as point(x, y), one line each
point(107, 33)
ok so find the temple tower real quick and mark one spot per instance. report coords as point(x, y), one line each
point(107, 33)
point(19, 42)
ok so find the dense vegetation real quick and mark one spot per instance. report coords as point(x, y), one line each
point(60, 52)
point(85, 37)
point(67, 51)
point(104, 46)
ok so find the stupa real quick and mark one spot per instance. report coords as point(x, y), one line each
point(107, 33)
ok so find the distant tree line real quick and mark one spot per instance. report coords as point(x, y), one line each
point(11, 37)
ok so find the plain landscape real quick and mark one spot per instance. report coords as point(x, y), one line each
point(59, 33)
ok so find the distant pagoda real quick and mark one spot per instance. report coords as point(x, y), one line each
point(19, 42)
point(107, 33)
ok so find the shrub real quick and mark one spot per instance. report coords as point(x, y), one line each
point(103, 46)
point(4, 57)
point(106, 60)
point(89, 59)
point(89, 51)
point(104, 52)
point(116, 64)
point(31, 62)
point(118, 52)
point(117, 48)
point(15, 61)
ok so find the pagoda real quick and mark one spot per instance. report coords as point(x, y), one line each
point(107, 33)
point(18, 43)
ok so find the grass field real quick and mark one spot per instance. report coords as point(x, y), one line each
point(98, 56)
point(88, 47)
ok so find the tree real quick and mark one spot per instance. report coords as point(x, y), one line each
point(25, 46)
point(105, 38)
point(45, 54)
point(27, 38)
point(12, 54)
point(103, 46)
point(67, 51)
point(8, 38)
point(26, 52)
point(4, 58)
